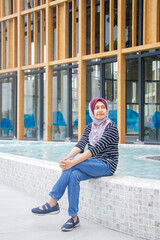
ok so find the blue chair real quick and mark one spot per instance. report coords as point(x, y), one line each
point(58, 119)
point(29, 122)
point(88, 119)
point(6, 124)
point(113, 116)
point(155, 123)
point(132, 120)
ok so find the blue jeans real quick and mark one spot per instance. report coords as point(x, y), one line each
point(90, 168)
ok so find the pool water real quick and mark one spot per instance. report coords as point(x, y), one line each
point(132, 160)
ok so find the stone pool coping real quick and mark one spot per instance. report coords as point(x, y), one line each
point(122, 203)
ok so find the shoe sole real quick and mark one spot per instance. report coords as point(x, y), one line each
point(50, 213)
point(67, 230)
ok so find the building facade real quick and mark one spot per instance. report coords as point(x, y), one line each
point(55, 56)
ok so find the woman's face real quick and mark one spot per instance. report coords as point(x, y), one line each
point(100, 110)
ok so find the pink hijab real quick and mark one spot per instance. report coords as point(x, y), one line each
point(98, 126)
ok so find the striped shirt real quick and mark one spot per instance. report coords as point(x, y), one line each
point(106, 147)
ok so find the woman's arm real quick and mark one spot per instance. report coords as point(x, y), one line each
point(66, 164)
point(73, 152)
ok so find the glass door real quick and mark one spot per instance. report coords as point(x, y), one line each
point(34, 104)
point(8, 106)
point(152, 99)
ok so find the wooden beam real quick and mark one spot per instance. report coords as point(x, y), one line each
point(65, 32)
point(73, 28)
point(20, 75)
point(10, 44)
point(121, 81)
point(28, 39)
point(38, 65)
point(2, 8)
point(134, 23)
point(100, 55)
point(6, 18)
point(102, 25)
point(49, 72)
point(82, 69)
point(8, 7)
point(92, 26)
point(14, 6)
point(3, 46)
point(141, 48)
point(111, 25)
point(58, 32)
point(42, 36)
point(15, 42)
point(144, 22)
point(57, 2)
point(63, 61)
point(35, 33)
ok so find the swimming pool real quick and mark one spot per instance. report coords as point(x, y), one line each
point(132, 160)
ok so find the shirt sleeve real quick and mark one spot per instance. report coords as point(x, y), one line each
point(109, 137)
point(84, 139)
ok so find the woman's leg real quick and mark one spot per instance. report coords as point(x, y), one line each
point(74, 189)
point(61, 184)
point(88, 169)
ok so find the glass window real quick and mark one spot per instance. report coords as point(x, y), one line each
point(7, 107)
point(128, 23)
point(132, 101)
point(60, 104)
point(110, 70)
point(152, 99)
point(31, 106)
point(75, 103)
point(92, 87)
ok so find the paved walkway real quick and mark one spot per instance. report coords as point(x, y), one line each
point(18, 223)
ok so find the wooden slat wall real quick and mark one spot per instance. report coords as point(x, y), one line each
point(111, 25)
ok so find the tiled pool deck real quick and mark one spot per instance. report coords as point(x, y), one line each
point(125, 204)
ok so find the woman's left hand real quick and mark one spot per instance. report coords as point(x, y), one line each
point(66, 164)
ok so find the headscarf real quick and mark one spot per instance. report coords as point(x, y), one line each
point(98, 125)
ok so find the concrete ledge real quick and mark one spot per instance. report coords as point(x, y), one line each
point(122, 203)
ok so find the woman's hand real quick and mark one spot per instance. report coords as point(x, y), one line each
point(66, 164)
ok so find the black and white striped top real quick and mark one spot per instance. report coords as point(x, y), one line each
point(106, 148)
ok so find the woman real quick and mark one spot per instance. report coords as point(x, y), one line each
point(99, 160)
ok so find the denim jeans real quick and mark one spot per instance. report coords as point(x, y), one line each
point(90, 168)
